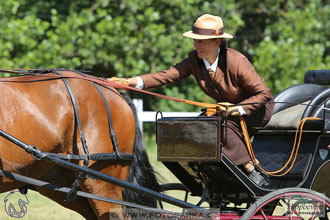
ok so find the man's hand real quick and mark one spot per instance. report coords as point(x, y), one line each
point(226, 107)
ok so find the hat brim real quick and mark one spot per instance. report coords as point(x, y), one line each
point(192, 35)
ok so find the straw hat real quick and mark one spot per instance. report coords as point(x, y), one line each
point(207, 27)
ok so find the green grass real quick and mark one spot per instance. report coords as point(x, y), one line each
point(39, 207)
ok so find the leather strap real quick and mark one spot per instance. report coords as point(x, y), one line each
point(294, 152)
point(107, 83)
point(113, 136)
point(76, 114)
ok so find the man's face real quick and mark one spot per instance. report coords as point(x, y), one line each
point(206, 48)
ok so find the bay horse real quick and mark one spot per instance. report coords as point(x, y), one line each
point(39, 111)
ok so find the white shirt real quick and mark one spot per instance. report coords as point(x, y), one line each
point(214, 65)
point(139, 83)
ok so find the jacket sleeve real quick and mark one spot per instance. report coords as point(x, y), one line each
point(253, 85)
point(175, 73)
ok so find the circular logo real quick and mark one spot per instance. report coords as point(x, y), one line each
point(15, 204)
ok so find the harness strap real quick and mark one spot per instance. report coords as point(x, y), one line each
point(72, 194)
point(113, 136)
point(76, 114)
point(98, 156)
point(294, 151)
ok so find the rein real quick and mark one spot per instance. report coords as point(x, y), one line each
point(104, 82)
point(211, 109)
point(48, 76)
point(294, 150)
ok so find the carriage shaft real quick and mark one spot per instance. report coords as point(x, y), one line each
point(36, 153)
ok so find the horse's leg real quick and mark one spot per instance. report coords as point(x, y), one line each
point(64, 177)
point(105, 210)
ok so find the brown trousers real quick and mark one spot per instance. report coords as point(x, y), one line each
point(235, 148)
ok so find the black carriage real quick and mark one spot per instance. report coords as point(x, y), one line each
point(191, 149)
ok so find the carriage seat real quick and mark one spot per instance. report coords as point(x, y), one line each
point(273, 144)
point(315, 91)
point(287, 113)
point(289, 119)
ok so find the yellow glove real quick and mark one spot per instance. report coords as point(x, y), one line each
point(227, 107)
point(122, 81)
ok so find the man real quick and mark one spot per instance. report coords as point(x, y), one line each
point(225, 75)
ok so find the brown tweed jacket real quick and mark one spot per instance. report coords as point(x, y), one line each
point(236, 82)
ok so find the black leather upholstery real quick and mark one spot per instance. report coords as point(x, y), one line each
point(321, 77)
point(312, 110)
point(296, 94)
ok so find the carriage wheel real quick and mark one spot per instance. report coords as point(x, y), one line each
point(290, 203)
point(173, 187)
point(179, 191)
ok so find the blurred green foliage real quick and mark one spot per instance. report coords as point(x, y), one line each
point(296, 42)
point(125, 38)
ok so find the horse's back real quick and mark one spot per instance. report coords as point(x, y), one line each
point(41, 113)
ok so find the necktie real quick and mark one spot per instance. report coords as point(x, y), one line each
point(212, 73)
